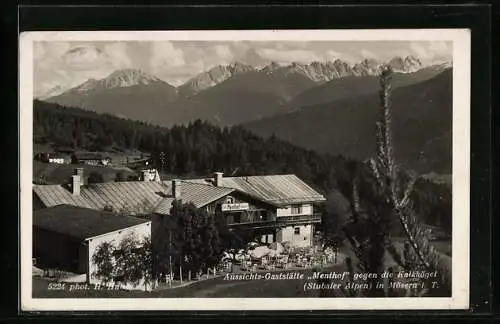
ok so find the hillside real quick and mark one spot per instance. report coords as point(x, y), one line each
point(196, 149)
point(354, 86)
point(235, 98)
point(422, 122)
point(241, 98)
point(212, 77)
point(49, 173)
point(200, 148)
point(124, 93)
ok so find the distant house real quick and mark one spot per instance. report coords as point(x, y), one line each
point(57, 158)
point(149, 175)
point(90, 159)
point(65, 237)
point(138, 163)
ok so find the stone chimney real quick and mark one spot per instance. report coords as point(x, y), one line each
point(145, 175)
point(218, 179)
point(75, 185)
point(176, 189)
point(79, 172)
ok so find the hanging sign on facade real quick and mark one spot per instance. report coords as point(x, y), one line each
point(233, 207)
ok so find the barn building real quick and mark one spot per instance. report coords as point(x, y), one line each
point(65, 237)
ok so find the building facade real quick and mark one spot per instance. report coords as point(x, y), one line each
point(56, 158)
point(278, 208)
point(90, 159)
point(66, 237)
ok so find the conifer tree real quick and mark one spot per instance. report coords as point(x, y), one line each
point(370, 227)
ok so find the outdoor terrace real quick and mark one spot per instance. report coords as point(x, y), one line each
point(281, 221)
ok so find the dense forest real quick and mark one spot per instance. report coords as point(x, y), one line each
point(199, 148)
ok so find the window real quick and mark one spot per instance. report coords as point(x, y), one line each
point(297, 230)
point(229, 200)
point(237, 217)
point(296, 209)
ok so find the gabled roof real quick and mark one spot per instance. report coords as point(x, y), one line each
point(81, 223)
point(278, 190)
point(137, 197)
point(58, 155)
point(198, 194)
point(131, 196)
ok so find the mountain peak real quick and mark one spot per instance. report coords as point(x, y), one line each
point(90, 84)
point(368, 66)
point(371, 62)
point(411, 58)
point(118, 79)
point(54, 91)
point(238, 67)
point(129, 77)
point(238, 64)
point(406, 65)
point(213, 77)
point(271, 66)
point(126, 78)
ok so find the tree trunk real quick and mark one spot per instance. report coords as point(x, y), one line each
point(180, 272)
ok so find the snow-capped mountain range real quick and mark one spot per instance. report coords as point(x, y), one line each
point(236, 93)
point(119, 79)
point(213, 77)
point(316, 71)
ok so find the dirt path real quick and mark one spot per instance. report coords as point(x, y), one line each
point(213, 290)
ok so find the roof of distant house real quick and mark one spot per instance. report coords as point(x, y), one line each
point(58, 155)
point(277, 190)
point(198, 194)
point(81, 223)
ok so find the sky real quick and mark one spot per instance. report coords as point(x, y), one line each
point(68, 64)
